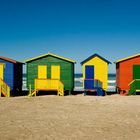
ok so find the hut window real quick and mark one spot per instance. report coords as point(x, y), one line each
point(55, 72)
point(42, 72)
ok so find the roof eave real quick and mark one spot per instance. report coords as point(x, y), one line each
point(10, 60)
point(94, 55)
point(32, 59)
point(126, 58)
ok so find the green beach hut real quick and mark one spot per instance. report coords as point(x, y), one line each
point(50, 72)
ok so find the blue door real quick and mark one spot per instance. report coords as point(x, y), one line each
point(88, 84)
point(89, 72)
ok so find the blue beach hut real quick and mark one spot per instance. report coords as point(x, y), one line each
point(10, 77)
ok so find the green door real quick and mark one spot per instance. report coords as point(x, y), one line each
point(136, 71)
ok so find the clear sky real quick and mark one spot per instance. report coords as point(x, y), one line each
point(73, 29)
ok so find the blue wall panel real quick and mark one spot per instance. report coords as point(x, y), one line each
point(8, 73)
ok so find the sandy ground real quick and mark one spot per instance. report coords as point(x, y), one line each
point(71, 117)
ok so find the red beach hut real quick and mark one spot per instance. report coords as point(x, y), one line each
point(128, 75)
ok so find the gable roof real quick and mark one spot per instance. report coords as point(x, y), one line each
point(10, 60)
point(95, 55)
point(49, 54)
point(126, 58)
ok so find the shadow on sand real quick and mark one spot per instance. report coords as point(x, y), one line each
point(67, 93)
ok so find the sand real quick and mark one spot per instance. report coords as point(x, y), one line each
point(77, 117)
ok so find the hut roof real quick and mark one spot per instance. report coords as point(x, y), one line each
point(9, 60)
point(49, 54)
point(127, 58)
point(95, 55)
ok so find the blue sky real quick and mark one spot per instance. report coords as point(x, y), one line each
point(73, 29)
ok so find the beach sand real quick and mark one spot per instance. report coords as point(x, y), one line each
point(77, 117)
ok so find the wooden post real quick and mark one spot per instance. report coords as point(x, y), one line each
point(30, 90)
point(8, 92)
point(35, 92)
point(84, 92)
point(0, 88)
point(69, 92)
point(35, 86)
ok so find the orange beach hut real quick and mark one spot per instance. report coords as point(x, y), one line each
point(128, 74)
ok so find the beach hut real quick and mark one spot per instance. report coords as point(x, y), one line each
point(128, 75)
point(50, 72)
point(10, 77)
point(95, 74)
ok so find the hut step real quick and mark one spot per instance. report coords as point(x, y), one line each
point(4, 88)
point(60, 93)
point(100, 92)
point(33, 93)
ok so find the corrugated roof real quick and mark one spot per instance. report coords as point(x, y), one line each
point(126, 58)
point(49, 54)
point(9, 60)
point(95, 55)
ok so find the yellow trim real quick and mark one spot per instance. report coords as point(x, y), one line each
point(2, 66)
point(133, 81)
point(127, 58)
point(137, 90)
point(51, 55)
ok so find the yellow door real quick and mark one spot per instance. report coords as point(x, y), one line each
point(42, 72)
point(55, 72)
point(1, 70)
